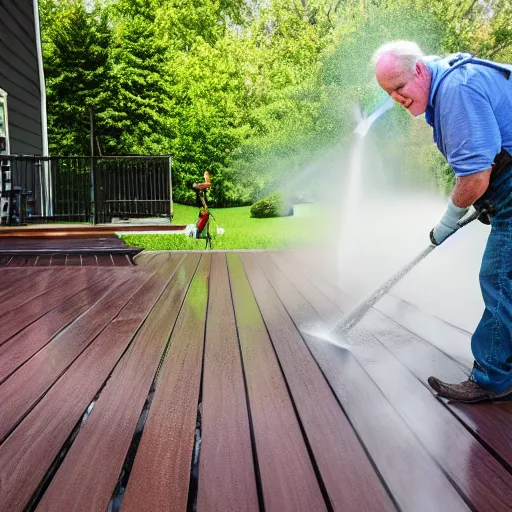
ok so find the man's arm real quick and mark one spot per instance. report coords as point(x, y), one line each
point(468, 189)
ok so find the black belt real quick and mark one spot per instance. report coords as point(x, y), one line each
point(502, 162)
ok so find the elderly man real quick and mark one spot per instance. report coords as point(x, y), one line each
point(468, 103)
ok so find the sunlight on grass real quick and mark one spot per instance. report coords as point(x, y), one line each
point(241, 231)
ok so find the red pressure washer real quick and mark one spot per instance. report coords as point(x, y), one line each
point(203, 222)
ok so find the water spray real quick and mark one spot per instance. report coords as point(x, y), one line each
point(353, 191)
point(356, 314)
point(364, 123)
point(337, 335)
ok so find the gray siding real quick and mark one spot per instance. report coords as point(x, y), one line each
point(19, 75)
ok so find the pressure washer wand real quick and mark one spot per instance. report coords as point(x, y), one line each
point(356, 314)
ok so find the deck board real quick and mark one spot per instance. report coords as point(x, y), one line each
point(104, 260)
point(28, 286)
point(288, 479)
point(332, 438)
point(16, 281)
point(160, 476)
point(43, 260)
point(20, 261)
point(424, 416)
point(40, 437)
point(326, 308)
point(492, 425)
point(5, 259)
point(226, 467)
point(16, 319)
point(103, 442)
point(89, 260)
point(22, 346)
point(452, 341)
point(484, 482)
point(22, 389)
point(339, 297)
point(58, 260)
point(73, 260)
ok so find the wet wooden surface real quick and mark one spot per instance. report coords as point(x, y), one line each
point(160, 477)
point(212, 381)
point(226, 463)
point(281, 451)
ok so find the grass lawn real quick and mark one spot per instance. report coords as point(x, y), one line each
point(241, 231)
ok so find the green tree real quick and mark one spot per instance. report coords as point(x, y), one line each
point(76, 54)
point(138, 119)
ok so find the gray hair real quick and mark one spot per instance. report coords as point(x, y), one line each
point(407, 53)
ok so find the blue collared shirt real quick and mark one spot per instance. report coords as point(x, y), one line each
point(470, 110)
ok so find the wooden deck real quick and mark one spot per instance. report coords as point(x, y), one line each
point(46, 251)
point(204, 381)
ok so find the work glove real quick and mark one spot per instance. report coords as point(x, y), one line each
point(448, 223)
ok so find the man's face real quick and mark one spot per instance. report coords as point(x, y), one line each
point(408, 88)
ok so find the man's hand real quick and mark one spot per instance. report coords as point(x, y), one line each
point(447, 225)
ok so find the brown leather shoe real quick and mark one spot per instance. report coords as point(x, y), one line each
point(468, 391)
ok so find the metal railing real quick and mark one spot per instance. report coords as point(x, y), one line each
point(89, 189)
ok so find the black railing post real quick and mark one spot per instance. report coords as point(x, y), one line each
point(171, 207)
point(94, 212)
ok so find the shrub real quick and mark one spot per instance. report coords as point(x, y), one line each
point(272, 206)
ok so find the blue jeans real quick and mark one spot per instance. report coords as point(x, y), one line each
point(492, 340)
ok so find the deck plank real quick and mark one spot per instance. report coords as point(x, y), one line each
point(104, 260)
point(327, 309)
point(289, 483)
point(102, 444)
point(289, 420)
point(416, 481)
point(73, 260)
point(30, 340)
point(340, 298)
point(43, 260)
point(17, 281)
point(58, 260)
point(27, 453)
point(59, 244)
point(22, 389)
point(121, 260)
point(16, 319)
point(20, 261)
point(453, 341)
point(160, 475)
point(227, 479)
point(5, 259)
point(89, 260)
point(477, 474)
point(143, 258)
point(349, 478)
point(428, 420)
point(30, 285)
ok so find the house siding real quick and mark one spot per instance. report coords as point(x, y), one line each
point(19, 75)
